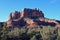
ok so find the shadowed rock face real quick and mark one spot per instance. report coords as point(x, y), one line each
point(32, 13)
point(58, 21)
point(16, 15)
point(30, 17)
point(19, 23)
point(45, 23)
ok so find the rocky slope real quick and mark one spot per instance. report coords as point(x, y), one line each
point(30, 17)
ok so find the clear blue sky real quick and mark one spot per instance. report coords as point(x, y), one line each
point(50, 8)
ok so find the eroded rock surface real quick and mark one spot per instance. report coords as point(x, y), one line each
point(30, 17)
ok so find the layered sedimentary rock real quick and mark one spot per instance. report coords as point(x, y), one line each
point(30, 17)
point(26, 13)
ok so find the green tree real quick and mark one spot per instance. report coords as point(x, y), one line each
point(33, 38)
point(4, 31)
point(58, 37)
point(48, 33)
point(1, 30)
point(13, 33)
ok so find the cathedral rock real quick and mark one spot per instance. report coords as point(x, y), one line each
point(30, 17)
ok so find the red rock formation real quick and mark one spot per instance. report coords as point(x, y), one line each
point(29, 21)
point(27, 17)
point(41, 14)
point(16, 15)
point(32, 13)
point(10, 16)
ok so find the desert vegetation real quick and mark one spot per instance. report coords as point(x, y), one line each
point(24, 33)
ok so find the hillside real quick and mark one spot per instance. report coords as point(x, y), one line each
point(29, 24)
point(30, 17)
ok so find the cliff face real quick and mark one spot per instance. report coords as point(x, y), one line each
point(30, 17)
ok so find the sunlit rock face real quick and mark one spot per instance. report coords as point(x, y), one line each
point(30, 17)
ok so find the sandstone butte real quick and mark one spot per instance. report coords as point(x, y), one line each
point(30, 17)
